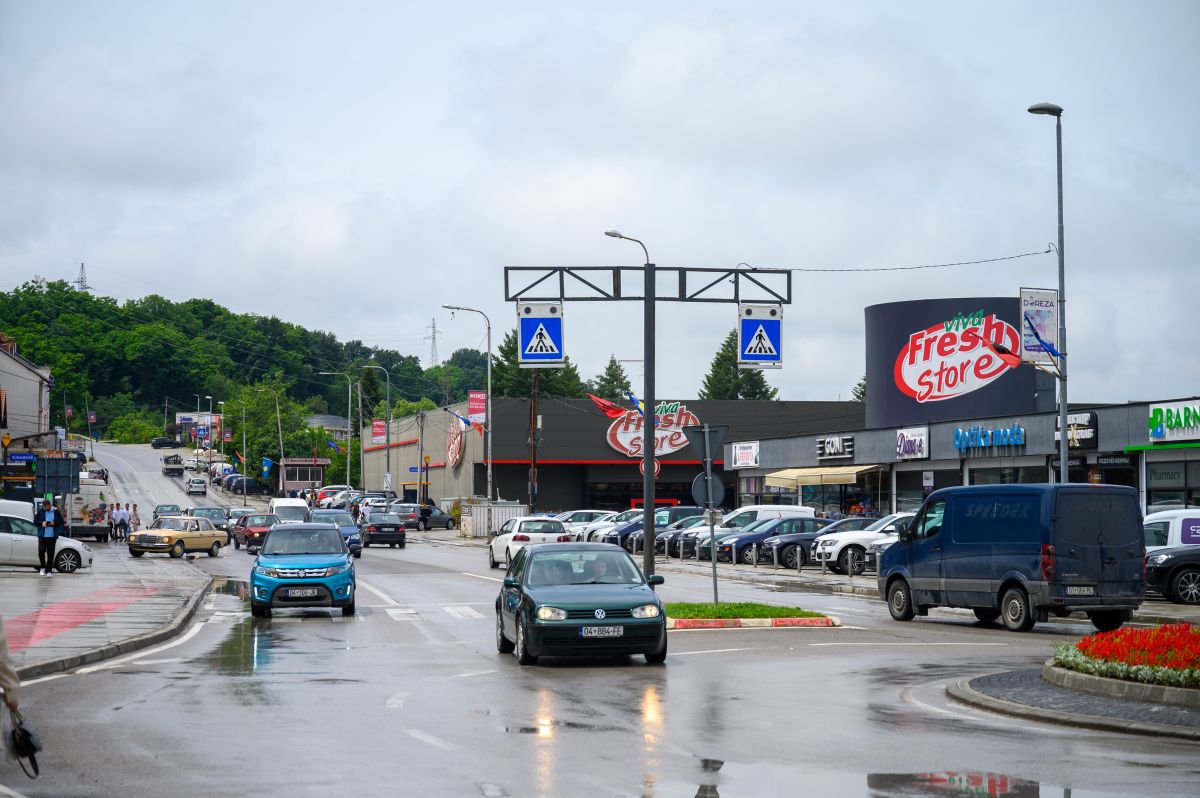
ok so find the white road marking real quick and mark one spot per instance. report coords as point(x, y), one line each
point(116, 663)
point(472, 673)
point(403, 614)
point(397, 700)
point(707, 651)
point(477, 576)
point(386, 598)
point(208, 602)
point(426, 737)
point(913, 643)
point(460, 611)
point(167, 661)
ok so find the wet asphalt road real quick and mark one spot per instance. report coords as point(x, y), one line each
point(411, 698)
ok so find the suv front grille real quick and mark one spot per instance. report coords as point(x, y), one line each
point(300, 573)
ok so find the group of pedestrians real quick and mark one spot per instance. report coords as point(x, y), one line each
point(123, 520)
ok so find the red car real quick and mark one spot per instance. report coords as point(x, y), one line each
point(250, 530)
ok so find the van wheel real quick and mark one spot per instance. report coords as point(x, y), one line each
point(1106, 620)
point(1014, 610)
point(900, 601)
point(1185, 586)
point(986, 614)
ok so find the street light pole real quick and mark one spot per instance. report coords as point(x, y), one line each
point(488, 430)
point(648, 425)
point(349, 417)
point(208, 428)
point(196, 422)
point(221, 409)
point(1050, 109)
point(387, 476)
point(245, 457)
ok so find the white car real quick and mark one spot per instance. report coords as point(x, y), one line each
point(521, 531)
point(19, 546)
point(593, 532)
point(838, 549)
point(1169, 528)
point(197, 485)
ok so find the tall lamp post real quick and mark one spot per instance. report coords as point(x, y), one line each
point(648, 415)
point(221, 412)
point(387, 476)
point(208, 427)
point(196, 422)
point(245, 456)
point(1050, 109)
point(488, 323)
point(349, 417)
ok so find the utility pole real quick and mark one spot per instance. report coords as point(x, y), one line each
point(164, 414)
point(533, 443)
point(362, 479)
point(421, 469)
point(245, 456)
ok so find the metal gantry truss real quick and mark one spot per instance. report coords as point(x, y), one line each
point(606, 284)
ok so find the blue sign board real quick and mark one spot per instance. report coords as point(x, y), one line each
point(201, 432)
point(540, 336)
point(22, 457)
point(760, 336)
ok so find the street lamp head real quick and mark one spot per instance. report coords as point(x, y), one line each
point(611, 233)
point(1049, 109)
point(207, 396)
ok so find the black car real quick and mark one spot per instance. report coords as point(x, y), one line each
point(1175, 573)
point(747, 546)
point(794, 549)
point(164, 443)
point(386, 528)
point(164, 510)
point(249, 487)
point(665, 539)
point(214, 514)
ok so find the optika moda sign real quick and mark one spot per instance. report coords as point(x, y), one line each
point(947, 360)
point(626, 436)
point(978, 437)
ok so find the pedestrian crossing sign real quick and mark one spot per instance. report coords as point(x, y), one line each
point(540, 336)
point(760, 336)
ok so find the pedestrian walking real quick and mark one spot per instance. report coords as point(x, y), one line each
point(9, 682)
point(123, 522)
point(135, 520)
point(49, 523)
point(112, 521)
point(425, 513)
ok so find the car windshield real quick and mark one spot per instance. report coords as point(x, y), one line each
point(291, 513)
point(385, 518)
point(302, 541)
point(166, 509)
point(177, 524)
point(878, 525)
point(628, 515)
point(337, 519)
point(403, 509)
point(582, 568)
point(262, 520)
point(211, 513)
point(238, 512)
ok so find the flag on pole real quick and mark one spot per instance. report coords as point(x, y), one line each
point(335, 446)
point(241, 457)
point(266, 467)
point(1006, 355)
point(1045, 344)
point(606, 407)
point(640, 405)
point(466, 422)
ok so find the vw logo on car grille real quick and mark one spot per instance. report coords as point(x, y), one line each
point(599, 615)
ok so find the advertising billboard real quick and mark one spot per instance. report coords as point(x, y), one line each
point(477, 407)
point(1039, 325)
point(927, 361)
point(378, 431)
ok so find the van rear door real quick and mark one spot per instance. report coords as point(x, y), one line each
point(1098, 540)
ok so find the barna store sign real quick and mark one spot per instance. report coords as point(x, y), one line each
point(927, 361)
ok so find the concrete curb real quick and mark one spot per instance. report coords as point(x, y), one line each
point(120, 647)
point(963, 692)
point(751, 623)
point(1120, 688)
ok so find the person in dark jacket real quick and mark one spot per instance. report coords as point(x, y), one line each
point(425, 512)
point(50, 523)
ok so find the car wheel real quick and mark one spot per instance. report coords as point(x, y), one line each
point(790, 557)
point(348, 610)
point(358, 554)
point(986, 614)
point(492, 559)
point(215, 550)
point(1106, 620)
point(366, 542)
point(392, 545)
point(1185, 586)
point(450, 523)
point(658, 657)
point(851, 560)
point(900, 601)
point(67, 561)
point(747, 557)
point(103, 538)
point(507, 557)
point(177, 550)
point(135, 553)
point(521, 647)
point(401, 543)
point(421, 526)
point(503, 644)
point(1014, 610)
point(259, 610)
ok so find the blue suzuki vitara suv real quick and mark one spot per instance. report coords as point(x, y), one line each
point(302, 565)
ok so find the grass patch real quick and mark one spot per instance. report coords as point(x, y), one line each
point(736, 609)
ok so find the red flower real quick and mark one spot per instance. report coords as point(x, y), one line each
point(1172, 646)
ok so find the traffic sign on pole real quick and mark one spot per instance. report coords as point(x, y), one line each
point(540, 336)
point(760, 336)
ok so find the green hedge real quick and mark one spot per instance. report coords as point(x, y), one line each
point(736, 609)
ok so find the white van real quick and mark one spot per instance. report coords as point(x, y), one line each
point(87, 513)
point(1171, 528)
point(744, 516)
point(18, 509)
point(289, 511)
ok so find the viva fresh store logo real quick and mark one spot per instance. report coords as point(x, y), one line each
point(948, 360)
point(625, 434)
point(978, 437)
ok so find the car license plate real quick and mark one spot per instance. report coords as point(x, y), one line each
point(601, 631)
point(303, 592)
point(1081, 590)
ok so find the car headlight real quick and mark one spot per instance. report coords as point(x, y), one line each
point(551, 614)
point(263, 571)
point(337, 569)
point(646, 611)
point(1158, 558)
point(166, 540)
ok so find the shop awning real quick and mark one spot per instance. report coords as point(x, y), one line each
point(821, 475)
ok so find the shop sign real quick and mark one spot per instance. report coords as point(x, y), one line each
point(1039, 328)
point(979, 437)
point(1189, 533)
point(378, 431)
point(1115, 461)
point(295, 461)
point(1175, 421)
point(949, 359)
point(912, 443)
point(745, 454)
point(1082, 430)
point(835, 446)
point(626, 436)
point(1164, 475)
point(454, 445)
point(1072, 462)
point(477, 407)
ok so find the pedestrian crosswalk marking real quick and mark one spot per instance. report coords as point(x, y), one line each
point(461, 611)
point(540, 343)
point(760, 344)
point(403, 614)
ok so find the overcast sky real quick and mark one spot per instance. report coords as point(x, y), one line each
point(352, 166)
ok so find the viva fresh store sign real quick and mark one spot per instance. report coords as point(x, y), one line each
point(626, 436)
point(1175, 421)
point(979, 437)
point(947, 360)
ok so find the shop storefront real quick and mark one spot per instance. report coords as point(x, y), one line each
point(1172, 454)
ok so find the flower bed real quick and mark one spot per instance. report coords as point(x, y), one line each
point(1167, 655)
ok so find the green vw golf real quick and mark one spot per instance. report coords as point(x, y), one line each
point(579, 599)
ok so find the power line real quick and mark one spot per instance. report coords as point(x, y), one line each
point(912, 268)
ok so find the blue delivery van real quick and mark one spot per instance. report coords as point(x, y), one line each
point(1019, 554)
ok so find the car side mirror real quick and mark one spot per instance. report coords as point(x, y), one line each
point(904, 535)
point(510, 581)
point(655, 579)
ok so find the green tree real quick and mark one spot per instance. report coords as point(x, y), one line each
point(509, 380)
point(612, 383)
point(726, 381)
point(859, 392)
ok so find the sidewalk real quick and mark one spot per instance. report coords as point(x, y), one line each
point(118, 605)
